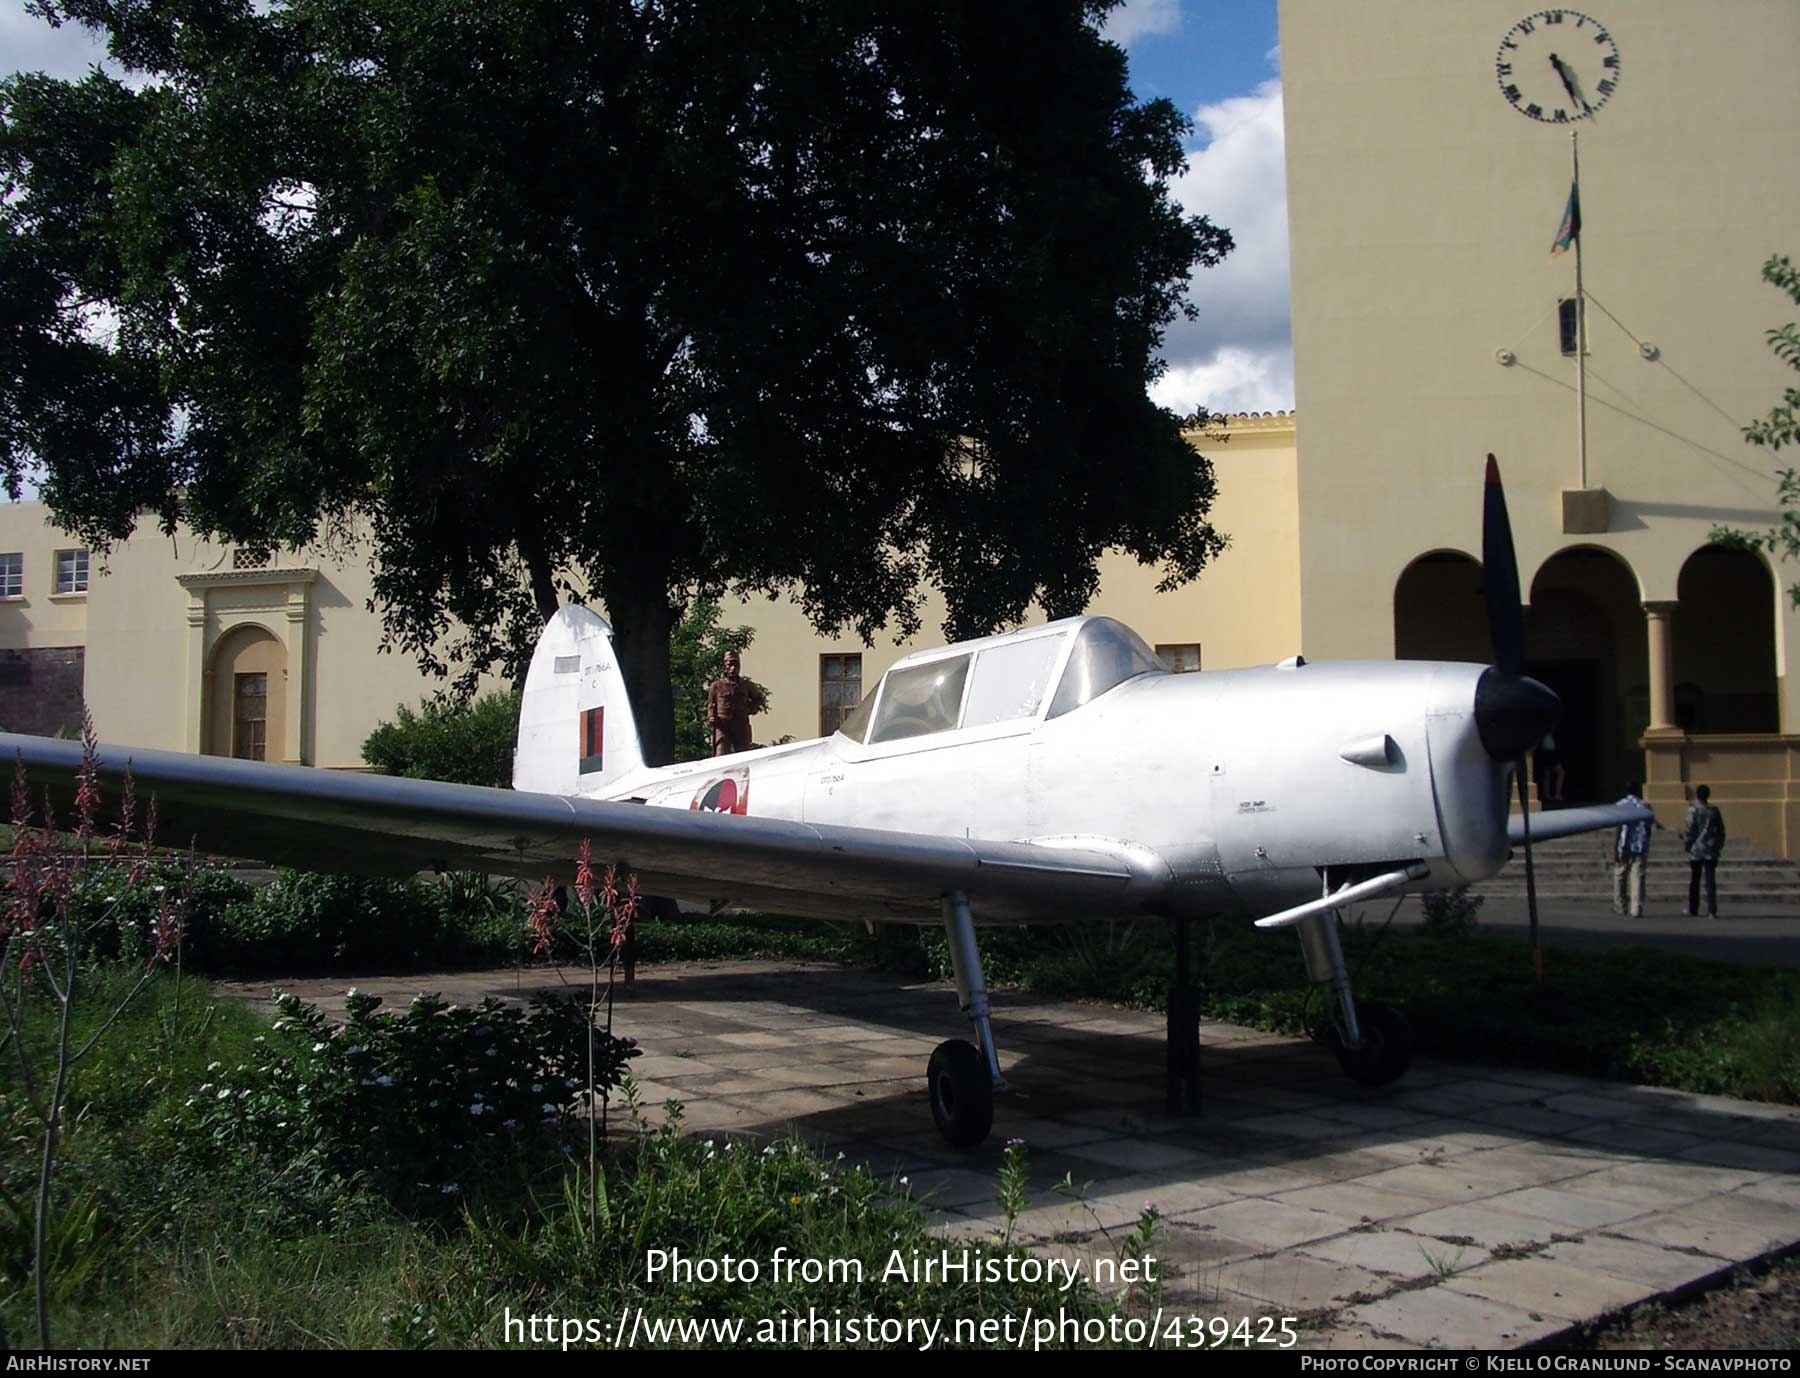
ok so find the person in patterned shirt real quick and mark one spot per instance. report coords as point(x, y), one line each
point(1631, 857)
point(1703, 834)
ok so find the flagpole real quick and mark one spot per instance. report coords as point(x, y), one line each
point(1580, 318)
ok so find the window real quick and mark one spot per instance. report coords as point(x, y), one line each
point(250, 718)
point(1179, 657)
point(1566, 324)
point(1106, 653)
point(71, 571)
point(12, 575)
point(1011, 680)
point(840, 690)
point(920, 699)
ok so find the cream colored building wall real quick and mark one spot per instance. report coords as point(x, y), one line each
point(1244, 610)
point(1422, 208)
point(38, 617)
point(156, 609)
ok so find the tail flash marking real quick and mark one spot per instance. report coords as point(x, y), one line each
point(593, 740)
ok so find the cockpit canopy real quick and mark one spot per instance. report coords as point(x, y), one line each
point(1002, 679)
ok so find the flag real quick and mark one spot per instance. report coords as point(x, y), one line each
point(1570, 229)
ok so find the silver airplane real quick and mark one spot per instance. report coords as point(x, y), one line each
point(1053, 774)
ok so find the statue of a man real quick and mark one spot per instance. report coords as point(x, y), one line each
point(728, 709)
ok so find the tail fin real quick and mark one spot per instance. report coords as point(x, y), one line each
point(576, 729)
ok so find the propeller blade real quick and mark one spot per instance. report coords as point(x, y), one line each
point(1500, 577)
point(1537, 953)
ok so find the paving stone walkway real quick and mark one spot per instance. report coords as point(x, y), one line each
point(1463, 1206)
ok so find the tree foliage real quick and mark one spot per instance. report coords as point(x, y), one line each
point(1780, 427)
point(648, 299)
point(465, 743)
point(696, 649)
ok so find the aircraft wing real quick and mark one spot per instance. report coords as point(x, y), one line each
point(377, 824)
point(1567, 822)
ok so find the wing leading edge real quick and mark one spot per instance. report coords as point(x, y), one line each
point(377, 824)
point(1568, 822)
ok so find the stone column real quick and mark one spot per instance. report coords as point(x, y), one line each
point(299, 606)
point(1657, 624)
point(194, 737)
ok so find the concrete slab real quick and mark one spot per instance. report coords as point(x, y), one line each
point(1463, 1207)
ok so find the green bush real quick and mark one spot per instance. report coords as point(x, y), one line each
point(469, 744)
point(1450, 913)
point(119, 910)
point(424, 1105)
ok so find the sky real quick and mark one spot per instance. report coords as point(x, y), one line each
point(1218, 61)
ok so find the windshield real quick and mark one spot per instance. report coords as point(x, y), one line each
point(920, 699)
point(855, 725)
point(1106, 653)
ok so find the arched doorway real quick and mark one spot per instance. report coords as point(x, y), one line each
point(1724, 649)
point(1585, 638)
point(247, 696)
point(1439, 612)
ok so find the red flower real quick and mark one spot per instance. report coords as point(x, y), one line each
point(540, 912)
point(584, 872)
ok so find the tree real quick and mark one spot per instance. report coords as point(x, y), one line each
point(1780, 427)
point(696, 650)
point(654, 299)
point(466, 743)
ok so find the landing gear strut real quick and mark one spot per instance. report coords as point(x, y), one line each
point(1184, 1027)
point(963, 1077)
point(1372, 1041)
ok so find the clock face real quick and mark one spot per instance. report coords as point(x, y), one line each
point(1557, 66)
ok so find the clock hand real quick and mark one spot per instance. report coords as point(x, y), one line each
point(1568, 81)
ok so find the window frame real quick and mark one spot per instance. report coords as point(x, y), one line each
point(16, 575)
point(843, 711)
point(960, 735)
point(1199, 661)
point(78, 583)
point(239, 722)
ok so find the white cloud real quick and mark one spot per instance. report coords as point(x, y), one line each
point(30, 44)
point(1243, 341)
point(1233, 380)
point(1135, 18)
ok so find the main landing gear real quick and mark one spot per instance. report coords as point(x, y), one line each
point(1372, 1041)
point(963, 1076)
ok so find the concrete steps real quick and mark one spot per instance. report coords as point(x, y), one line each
point(1577, 868)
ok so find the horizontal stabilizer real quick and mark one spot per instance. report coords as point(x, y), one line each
point(1568, 822)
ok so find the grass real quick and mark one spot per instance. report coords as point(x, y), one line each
point(163, 1240)
point(1635, 1014)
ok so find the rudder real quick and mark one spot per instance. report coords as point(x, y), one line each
point(577, 732)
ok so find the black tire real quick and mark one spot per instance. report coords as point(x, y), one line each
point(1386, 1050)
point(962, 1093)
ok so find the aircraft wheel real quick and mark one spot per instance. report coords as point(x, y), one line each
point(1387, 1045)
point(962, 1093)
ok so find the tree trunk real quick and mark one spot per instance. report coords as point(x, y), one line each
point(642, 620)
point(543, 592)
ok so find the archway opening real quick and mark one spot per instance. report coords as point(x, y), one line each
point(1724, 636)
point(246, 698)
point(1439, 610)
point(1585, 638)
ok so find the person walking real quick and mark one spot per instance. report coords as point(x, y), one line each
point(1703, 834)
point(1631, 857)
